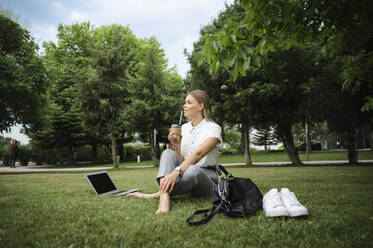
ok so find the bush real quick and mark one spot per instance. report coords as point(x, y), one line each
point(54, 155)
point(301, 146)
point(227, 151)
point(37, 157)
point(131, 152)
point(316, 147)
point(25, 154)
point(4, 155)
point(83, 153)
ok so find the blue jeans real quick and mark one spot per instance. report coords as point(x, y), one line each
point(196, 180)
point(12, 159)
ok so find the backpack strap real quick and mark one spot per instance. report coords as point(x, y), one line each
point(220, 169)
point(206, 218)
point(222, 193)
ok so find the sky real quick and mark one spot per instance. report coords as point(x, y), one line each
point(175, 23)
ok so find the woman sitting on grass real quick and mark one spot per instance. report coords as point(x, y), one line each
point(191, 167)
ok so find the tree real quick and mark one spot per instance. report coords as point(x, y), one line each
point(230, 103)
point(5, 141)
point(264, 137)
point(271, 93)
point(232, 137)
point(22, 76)
point(344, 26)
point(155, 94)
point(65, 61)
point(342, 108)
point(104, 95)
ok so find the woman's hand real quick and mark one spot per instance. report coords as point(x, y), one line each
point(176, 143)
point(168, 182)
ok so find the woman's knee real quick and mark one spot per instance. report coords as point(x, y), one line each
point(193, 171)
point(169, 154)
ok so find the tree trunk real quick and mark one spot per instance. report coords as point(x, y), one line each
point(242, 143)
point(352, 151)
point(154, 148)
point(120, 148)
point(287, 138)
point(246, 144)
point(308, 143)
point(114, 150)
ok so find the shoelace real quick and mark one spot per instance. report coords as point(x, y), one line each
point(293, 199)
point(275, 200)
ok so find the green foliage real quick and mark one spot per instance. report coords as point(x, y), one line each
point(84, 154)
point(65, 62)
point(318, 131)
point(131, 152)
point(22, 76)
point(156, 95)
point(5, 141)
point(263, 27)
point(228, 151)
point(104, 95)
point(25, 154)
point(4, 153)
point(232, 136)
point(96, 75)
point(264, 137)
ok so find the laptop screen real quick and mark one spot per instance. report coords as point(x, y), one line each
point(102, 183)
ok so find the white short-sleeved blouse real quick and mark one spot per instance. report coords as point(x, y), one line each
point(193, 137)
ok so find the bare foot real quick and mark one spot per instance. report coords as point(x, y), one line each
point(142, 195)
point(164, 204)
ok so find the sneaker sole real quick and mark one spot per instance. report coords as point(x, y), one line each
point(276, 214)
point(298, 214)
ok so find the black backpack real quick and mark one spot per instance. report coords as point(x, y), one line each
point(234, 197)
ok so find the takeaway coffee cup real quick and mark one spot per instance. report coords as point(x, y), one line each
point(176, 132)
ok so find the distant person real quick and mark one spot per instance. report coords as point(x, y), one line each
point(13, 152)
point(190, 168)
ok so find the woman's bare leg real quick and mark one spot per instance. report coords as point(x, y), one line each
point(142, 195)
point(164, 203)
point(164, 200)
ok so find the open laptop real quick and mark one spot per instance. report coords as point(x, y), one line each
point(103, 185)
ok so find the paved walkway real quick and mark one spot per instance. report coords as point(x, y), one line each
point(35, 169)
point(44, 168)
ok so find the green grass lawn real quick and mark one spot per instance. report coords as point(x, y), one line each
point(61, 210)
point(283, 157)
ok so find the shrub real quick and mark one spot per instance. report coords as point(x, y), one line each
point(37, 157)
point(83, 153)
point(301, 146)
point(131, 152)
point(54, 155)
point(227, 151)
point(25, 154)
point(4, 155)
point(316, 147)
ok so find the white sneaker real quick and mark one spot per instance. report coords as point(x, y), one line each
point(292, 204)
point(272, 204)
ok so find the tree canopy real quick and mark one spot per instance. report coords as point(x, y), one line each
point(22, 76)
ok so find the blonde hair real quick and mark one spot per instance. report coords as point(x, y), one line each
point(202, 97)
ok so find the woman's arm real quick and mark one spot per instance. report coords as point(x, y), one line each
point(169, 181)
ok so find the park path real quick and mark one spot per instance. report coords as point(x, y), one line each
point(44, 168)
